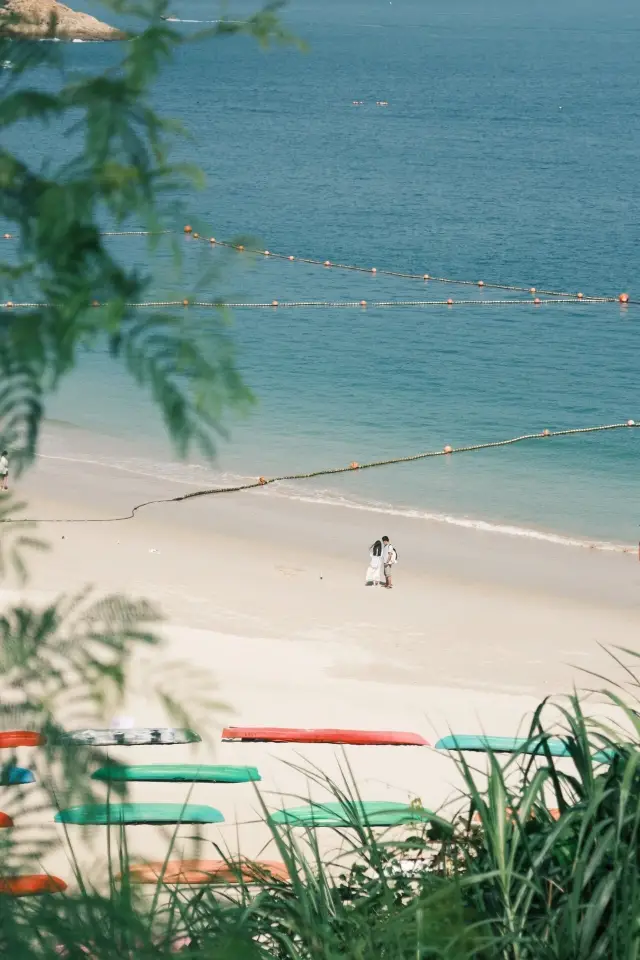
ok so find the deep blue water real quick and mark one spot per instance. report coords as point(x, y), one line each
point(509, 152)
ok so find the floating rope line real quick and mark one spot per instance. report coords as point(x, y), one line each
point(326, 304)
point(621, 298)
point(334, 471)
point(513, 288)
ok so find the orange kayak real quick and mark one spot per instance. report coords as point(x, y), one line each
point(20, 738)
point(372, 738)
point(5, 820)
point(31, 885)
point(208, 871)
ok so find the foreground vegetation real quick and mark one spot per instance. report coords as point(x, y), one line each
point(498, 874)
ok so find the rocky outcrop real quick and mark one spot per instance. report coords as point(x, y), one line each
point(47, 18)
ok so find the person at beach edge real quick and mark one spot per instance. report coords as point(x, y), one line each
point(389, 559)
point(4, 470)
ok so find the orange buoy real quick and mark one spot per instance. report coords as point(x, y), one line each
point(185, 303)
point(31, 885)
point(261, 480)
point(9, 304)
point(450, 301)
point(354, 465)
point(481, 283)
point(448, 449)
point(624, 298)
point(274, 303)
point(363, 303)
point(188, 229)
point(579, 296)
point(5, 821)
point(212, 239)
point(546, 433)
point(426, 276)
point(208, 871)
point(532, 289)
point(537, 301)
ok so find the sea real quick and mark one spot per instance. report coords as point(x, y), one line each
point(495, 141)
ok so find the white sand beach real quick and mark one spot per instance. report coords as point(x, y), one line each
point(265, 602)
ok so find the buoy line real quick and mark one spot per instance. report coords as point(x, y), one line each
point(318, 304)
point(188, 231)
point(333, 471)
point(620, 298)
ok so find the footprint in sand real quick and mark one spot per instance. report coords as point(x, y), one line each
point(290, 571)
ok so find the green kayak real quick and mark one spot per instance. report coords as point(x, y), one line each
point(116, 813)
point(531, 745)
point(369, 813)
point(177, 773)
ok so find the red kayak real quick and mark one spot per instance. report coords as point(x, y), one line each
point(5, 820)
point(20, 738)
point(31, 885)
point(371, 738)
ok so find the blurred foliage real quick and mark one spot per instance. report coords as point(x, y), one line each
point(120, 177)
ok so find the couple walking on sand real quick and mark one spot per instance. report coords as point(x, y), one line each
point(382, 557)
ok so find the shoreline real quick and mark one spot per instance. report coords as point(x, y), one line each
point(200, 476)
point(102, 495)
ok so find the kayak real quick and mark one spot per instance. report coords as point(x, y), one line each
point(31, 885)
point(359, 813)
point(207, 871)
point(142, 736)
point(103, 814)
point(20, 738)
point(528, 745)
point(379, 738)
point(177, 773)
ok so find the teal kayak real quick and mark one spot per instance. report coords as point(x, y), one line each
point(115, 813)
point(177, 773)
point(368, 813)
point(530, 745)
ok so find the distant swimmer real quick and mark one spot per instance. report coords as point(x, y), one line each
point(357, 103)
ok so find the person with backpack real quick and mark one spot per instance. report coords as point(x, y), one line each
point(389, 559)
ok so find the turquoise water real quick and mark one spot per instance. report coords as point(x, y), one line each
point(508, 152)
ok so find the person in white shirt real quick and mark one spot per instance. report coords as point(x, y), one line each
point(4, 470)
point(389, 558)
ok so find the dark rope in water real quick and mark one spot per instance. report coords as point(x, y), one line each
point(265, 482)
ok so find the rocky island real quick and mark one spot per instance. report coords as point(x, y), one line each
point(41, 19)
